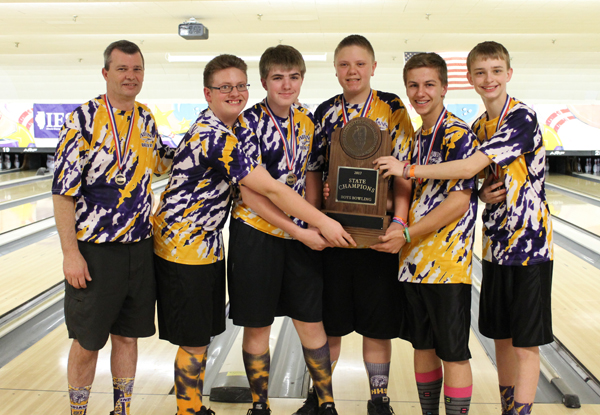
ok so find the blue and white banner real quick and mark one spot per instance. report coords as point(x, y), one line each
point(48, 119)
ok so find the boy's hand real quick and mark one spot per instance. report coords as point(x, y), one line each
point(393, 240)
point(492, 192)
point(390, 166)
point(312, 238)
point(335, 234)
point(325, 190)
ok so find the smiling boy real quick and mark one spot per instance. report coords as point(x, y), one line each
point(271, 272)
point(515, 304)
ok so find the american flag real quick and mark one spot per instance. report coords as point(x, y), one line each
point(457, 68)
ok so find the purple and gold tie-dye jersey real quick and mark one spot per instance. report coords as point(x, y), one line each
point(387, 110)
point(261, 141)
point(443, 256)
point(194, 207)
point(86, 166)
point(517, 231)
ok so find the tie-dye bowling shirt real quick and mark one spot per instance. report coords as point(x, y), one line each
point(387, 110)
point(261, 141)
point(194, 207)
point(517, 231)
point(443, 256)
point(86, 168)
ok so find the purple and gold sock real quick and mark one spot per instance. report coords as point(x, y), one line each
point(122, 391)
point(257, 370)
point(507, 397)
point(319, 367)
point(379, 374)
point(79, 397)
point(523, 408)
point(188, 371)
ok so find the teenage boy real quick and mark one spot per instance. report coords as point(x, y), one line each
point(108, 150)
point(436, 260)
point(194, 207)
point(269, 273)
point(361, 291)
point(515, 307)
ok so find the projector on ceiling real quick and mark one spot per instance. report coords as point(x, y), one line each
point(193, 30)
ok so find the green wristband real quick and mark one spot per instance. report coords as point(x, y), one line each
point(406, 235)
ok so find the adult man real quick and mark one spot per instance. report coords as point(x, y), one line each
point(108, 149)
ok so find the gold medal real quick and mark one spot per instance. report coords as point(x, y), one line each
point(418, 192)
point(291, 179)
point(120, 179)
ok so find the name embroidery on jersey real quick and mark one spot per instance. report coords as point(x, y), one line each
point(147, 139)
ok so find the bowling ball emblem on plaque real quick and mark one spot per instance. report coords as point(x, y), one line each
point(358, 193)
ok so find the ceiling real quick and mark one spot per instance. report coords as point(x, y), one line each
point(52, 51)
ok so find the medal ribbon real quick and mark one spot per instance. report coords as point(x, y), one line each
point(495, 169)
point(289, 158)
point(113, 126)
point(364, 111)
point(438, 124)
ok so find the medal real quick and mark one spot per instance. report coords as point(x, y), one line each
point(288, 146)
point(364, 111)
point(291, 179)
point(494, 169)
point(120, 177)
point(418, 192)
point(438, 124)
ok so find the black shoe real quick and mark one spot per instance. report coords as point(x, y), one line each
point(259, 408)
point(328, 408)
point(205, 411)
point(380, 406)
point(311, 404)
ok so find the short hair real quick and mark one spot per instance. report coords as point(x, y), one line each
point(488, 50)
point(355, 40)
point(124, 46)
point(281, 55)
point(221, 62)
point(428, 60)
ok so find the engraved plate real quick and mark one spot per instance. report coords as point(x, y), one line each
point(357, 185)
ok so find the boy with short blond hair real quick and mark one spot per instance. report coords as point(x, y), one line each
point(435, 263)
point(274, 264)
point(361, 291)
point(515, 307)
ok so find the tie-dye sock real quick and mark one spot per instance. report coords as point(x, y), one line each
point(188, 377)
point(429, 386)
point(507, 397)
point(257, 370)
point(457, 400)
point(379, 374)
point(523, 408)
point(122, 391)
point(319, 367)
point(79, 397)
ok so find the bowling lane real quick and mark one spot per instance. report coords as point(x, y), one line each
point(588, 187)
point(16, 175)
point(25, 214)
point(25, 190)
point(575, 211)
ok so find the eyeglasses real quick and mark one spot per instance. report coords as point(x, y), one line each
point(226, 89)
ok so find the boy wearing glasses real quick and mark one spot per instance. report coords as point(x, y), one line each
point(274, 266)
point(189, 257)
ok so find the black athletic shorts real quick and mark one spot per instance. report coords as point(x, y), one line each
point(516, 303)
point(120, 298)
point(269, 276)
point(190, 301)
point(361, 293)
point(440, 319)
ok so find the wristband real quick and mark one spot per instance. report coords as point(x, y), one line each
point(400, 221)
point(405, 171)
point(406, 235)
point(411, 172)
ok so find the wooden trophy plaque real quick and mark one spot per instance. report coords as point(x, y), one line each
point(358, 193)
